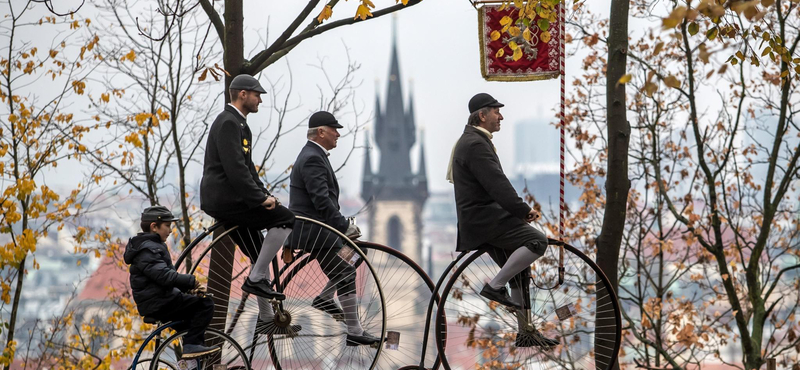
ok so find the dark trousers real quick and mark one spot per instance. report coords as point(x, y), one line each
point(336, 269)
point(248, 236)
point(193, 312)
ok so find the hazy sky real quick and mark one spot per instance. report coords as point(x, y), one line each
point(438, 50)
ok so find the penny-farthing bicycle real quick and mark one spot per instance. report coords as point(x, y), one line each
point(297, 335)
point(569, 299)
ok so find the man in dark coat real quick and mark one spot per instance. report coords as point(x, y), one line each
point(314, 193)
point(232, 192)
point(491, 215)
point(159, 290)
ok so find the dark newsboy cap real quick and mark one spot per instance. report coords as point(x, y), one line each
point(483, 100)
point(323, 118)
point(246, 82)
point(157, 214)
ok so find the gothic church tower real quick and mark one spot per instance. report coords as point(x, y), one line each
point(396, 194)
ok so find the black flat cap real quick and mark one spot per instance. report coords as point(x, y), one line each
point(157, 214)
point(246, 82)
point(483, 100)
point(323, 118)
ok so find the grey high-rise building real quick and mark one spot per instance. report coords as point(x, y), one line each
point(536, 147)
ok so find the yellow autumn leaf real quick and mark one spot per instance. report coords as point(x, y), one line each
point(500, 53)
point(527, 34)
point(672, 81)
point(326, 13)
point(131, 56)
point(674, 18)
point(495, 35)
point(650, 88)
point(658, 48)
point(517, 54)
point(362, 13)
point(624, 79)
point(514, 31)
point(545, 36)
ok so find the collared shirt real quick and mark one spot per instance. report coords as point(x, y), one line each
point(240, 112)
point(323, 149)
point(449, 176)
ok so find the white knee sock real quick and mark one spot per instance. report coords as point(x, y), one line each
point(521, 259)
point(350, 308)
point(269, 248)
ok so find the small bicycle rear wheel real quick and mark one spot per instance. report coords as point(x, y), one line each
point(582, 313)
point(147, 364)
point(230, 354)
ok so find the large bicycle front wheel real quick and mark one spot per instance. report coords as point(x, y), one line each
point(322, 342)
point(581, 313)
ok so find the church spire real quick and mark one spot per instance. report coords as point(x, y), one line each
point(367, 172)
point(422, 172)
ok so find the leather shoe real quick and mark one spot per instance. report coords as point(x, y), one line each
point(262, 289)
point(499, 295)
point(534, 339)
point(269, 328)
point(198, 350)
point(365, 339)
point(328, 306)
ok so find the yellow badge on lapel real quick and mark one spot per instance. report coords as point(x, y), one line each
point(245, 146)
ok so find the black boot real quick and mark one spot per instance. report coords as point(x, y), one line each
point(262, 289)
point(499, 295)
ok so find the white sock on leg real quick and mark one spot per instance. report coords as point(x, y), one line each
point(350, 308)
point(521, 259)
point(269, 248)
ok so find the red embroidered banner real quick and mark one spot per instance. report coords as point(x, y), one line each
point(516, 51)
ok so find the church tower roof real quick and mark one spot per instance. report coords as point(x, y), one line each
point(395, 134)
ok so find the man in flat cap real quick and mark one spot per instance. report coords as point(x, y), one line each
point(232, 192)
point(492, 216)
point(314, 193)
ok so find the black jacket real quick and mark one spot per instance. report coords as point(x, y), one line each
point(154, 281)
point(314, 193)
point(486, 204)
point(230, 181)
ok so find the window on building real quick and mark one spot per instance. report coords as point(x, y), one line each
point(395, 230)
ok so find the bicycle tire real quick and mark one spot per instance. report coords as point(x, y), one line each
point(475, 339)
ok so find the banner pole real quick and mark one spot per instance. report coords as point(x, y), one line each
point(562, 41)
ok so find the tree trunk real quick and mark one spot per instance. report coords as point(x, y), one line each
point(618, 133)
point(233, 60)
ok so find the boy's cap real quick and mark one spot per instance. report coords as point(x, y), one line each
point(157, 214)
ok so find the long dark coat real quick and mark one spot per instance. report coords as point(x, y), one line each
point(314, 193)
point(486, 204)
point(230, 181)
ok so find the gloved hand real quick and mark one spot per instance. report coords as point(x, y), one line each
point(353, 232)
